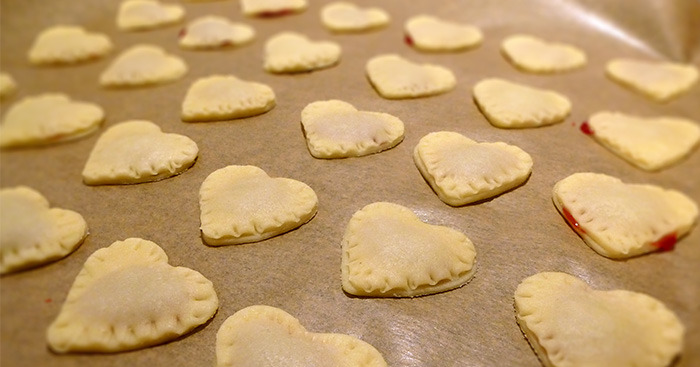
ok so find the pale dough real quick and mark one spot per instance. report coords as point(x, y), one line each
point(535, 55)
point(68, 45)
point(660, 81)
point(224, 97)
point(343, 16)
point(214, 32)
point(135, 15)
point(428, 33)
point(394, 77)
point(290, 52)
point(8, 85)
point(272, 8)
point(143, 65)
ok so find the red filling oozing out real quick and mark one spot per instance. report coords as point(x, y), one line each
point(666, 243)
point(182, 33)
point(408, 40)
point(572, 221)
point(275, 13)
point(48, 300)
point(586, 128)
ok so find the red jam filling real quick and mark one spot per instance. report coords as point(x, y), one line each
point(586, 128)
point(275, 13)
point(408, 40)
point(182, 33)
point(666, 243)
point(572, 221)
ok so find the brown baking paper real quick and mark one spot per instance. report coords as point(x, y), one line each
point(516, 234)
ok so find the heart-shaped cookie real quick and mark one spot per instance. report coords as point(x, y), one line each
point(31, 233)
point(510, 105)
point(620, 220)
point(389, 252)
point(660, 81)
point(342, 16)
point(535, 55)
point(336, 129)
point(264, 336)
point(648, 143)
point(272, 8)
point(290, 52)
point(223, 97)
point(570, 324)
point(395, 77)
point(428, 33)
point(213, 32)
point(47, 119)
point(241, 204)
point(138, 151)
point(137, 15)
point(143, 65)
point(67, 45)
point(8, 85)
point(128, 297)
point(462, 171)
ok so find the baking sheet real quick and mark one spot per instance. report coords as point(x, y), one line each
point(516, 234)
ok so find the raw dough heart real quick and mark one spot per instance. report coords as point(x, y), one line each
point(8, 86)
point(213, 32)
point(138, 151)
point(224, 97)
point(31, 233)
point(336, 129)
point(241, 204)
point(395, 77)
point(620, 220)
point(347, 17)
point(510, 105)
point(264, 336)
point(47, 119)
point(290, 52)
point(137, 15)
point(661, 81)
point(648, 143)
point(462, 171)
point(67, 45)
point(428, 33)
point(143, 65)
point(389, 252)
point(535, 55)
point(128, 297)
point(570, 324)
point(272, 8)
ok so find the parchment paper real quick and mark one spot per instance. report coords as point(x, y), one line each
point(516, 234)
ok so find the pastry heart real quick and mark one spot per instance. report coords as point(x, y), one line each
point(147, 14)
point(661, 81)
point(510, 105)
point(535, 55)
point(143, 65)
point(272, 8)
point(213, 32)
point(462, 171)
point(68, 44)
point(223, 97)
point(138, 151)
point(48, 119)
point(128, 297)
point(8, 85)
point(395, 77)
point(428, 33)
point(31, 233)
point(342, 16)
point(648, 143)
point(241, 204)
point(389, 252)
point(336, 129)
point(620, 220)
point(264, 336)
point(290, 52)
point(570, 324)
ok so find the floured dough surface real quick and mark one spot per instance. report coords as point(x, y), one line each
point(32, 233)
point(387, 251)
point(47, 119)
point(143, 65)
point(429, 33)
point(394, 77)
point(264, 336)
point(510, 105)
point(536, 55)
point(650, 143)
point(8, 85)
point(215, 32)
point(223, 97)
point(660, 81)
point(569, 323)
point(241, 204)
point(290, 52)
point(127, 297)
point(68, 45)
point(135, 15)
point(138, 151)
point(462, 171)
point(620, 220)
point(343, 16)
point(272, 8)
point(336, 129)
